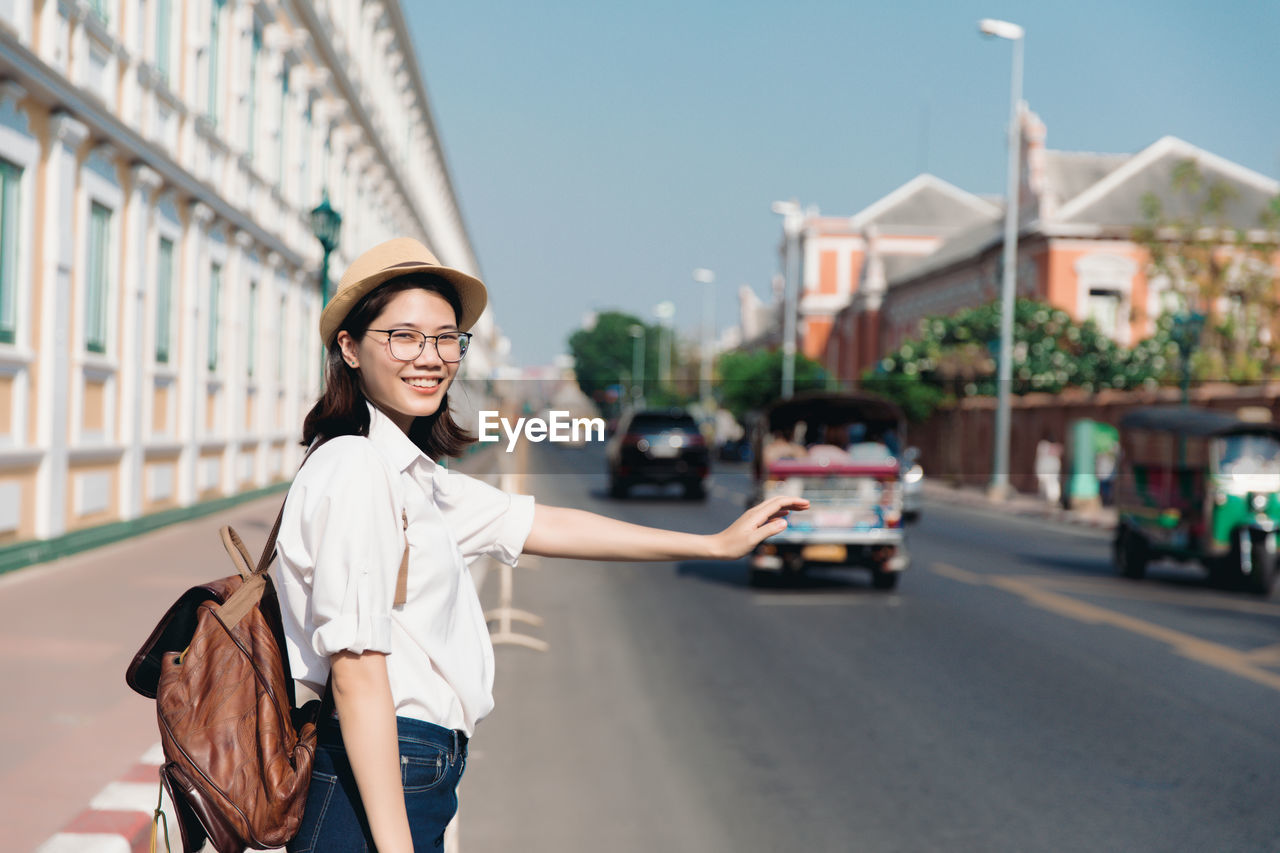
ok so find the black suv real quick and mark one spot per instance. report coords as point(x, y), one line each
point(658, 446)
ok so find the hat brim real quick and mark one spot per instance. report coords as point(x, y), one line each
point(472, 295)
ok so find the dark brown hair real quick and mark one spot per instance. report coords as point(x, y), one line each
point(342, 409)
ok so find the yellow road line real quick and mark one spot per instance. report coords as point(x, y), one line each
point(1203, 651)
point(1189, 597)
point(1265, 656)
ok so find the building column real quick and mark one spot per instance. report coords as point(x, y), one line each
point(66, 135)
point(235, 298)
point(195, 265)
point(137, 272)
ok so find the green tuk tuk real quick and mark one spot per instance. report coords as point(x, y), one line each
point(1199, 485)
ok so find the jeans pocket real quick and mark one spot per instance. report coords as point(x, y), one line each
point(424, 771)
point(319, 795)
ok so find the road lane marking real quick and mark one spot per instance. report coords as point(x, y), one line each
point(1190, 597)
point(1265, 656)
point(1193, 648)
point(784, 599)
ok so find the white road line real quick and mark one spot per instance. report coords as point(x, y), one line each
point(127, 797)
point(87, 842)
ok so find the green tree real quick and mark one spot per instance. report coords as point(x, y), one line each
point(749, 381)
point(955, 357)
point(1210, 267)
point(604, 356)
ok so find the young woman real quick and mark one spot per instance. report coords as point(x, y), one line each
point(409, 681)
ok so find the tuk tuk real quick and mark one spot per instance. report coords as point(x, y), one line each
point(839, 450)
point(1199, 485)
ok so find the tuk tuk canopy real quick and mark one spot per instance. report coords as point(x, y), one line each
point(828, 407)
point(1178, 436)
point(1193, 422)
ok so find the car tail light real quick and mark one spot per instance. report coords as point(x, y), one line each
point(694, 439)
point(630, 440)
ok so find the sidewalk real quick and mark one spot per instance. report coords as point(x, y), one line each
point(1020, 504)
point(78, 753)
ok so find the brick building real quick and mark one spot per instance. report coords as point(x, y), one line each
point(929, 248)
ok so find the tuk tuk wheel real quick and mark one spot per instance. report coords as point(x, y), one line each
point(1259, 574)
point(1129, 552)
point(884, 579)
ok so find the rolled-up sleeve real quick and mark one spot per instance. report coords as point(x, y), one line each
point(350, 529)
point(485, 521)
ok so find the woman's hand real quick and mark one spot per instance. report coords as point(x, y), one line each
point(754, 526)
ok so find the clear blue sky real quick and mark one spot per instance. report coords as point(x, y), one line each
point(602, 151)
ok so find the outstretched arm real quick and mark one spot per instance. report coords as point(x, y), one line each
point(577, 534)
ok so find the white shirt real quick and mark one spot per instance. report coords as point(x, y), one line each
point(339, 550)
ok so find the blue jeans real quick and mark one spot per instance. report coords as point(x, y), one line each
point(432, 759)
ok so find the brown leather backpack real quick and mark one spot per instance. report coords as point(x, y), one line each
point(238, 755)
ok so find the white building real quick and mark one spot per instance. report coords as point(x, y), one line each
point(159, 280)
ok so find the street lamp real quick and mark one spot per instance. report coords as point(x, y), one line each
point(792, 222)
point(1000, 466)
point(664, 311)
point(325, 224)
point(708, 278)
point(637, 365)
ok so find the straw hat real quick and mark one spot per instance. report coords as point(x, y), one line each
point(389, 260)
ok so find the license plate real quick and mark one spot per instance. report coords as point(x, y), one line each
point(664, 451)
point(824, 553)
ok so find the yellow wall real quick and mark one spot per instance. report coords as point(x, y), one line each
point(95, 406)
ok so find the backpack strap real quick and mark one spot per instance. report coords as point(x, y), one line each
point(402, 579)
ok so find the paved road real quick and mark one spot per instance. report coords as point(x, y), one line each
point(1012, 695)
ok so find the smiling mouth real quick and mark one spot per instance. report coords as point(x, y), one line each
point(421, 382)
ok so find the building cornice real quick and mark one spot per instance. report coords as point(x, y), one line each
point(354, 103)
point(49, 87)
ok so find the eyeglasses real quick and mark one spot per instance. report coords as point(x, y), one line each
point(407, 344)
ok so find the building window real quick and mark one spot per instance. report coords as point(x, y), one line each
point(215, 303)
point(99, 9)
point(164, 18)
point(1104, 310)
point(252, 349)
point(255, 55)
point(215, 51)
point(10, 180)
point(98, 278)
point(164, 299)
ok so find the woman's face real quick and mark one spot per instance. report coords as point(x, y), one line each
point(404, 390)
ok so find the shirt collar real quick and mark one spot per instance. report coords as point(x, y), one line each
point(392, 441)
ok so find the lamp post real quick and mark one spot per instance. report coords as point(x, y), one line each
point(637, 365)
point(664, 311)
point(708, 278)
point(1000, 466)
point(326, 223)
point(792, 222)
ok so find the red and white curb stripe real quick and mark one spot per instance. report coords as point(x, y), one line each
point(118, 819)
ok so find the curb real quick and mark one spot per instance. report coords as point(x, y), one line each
point(118, 819)
point(1021, 506)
